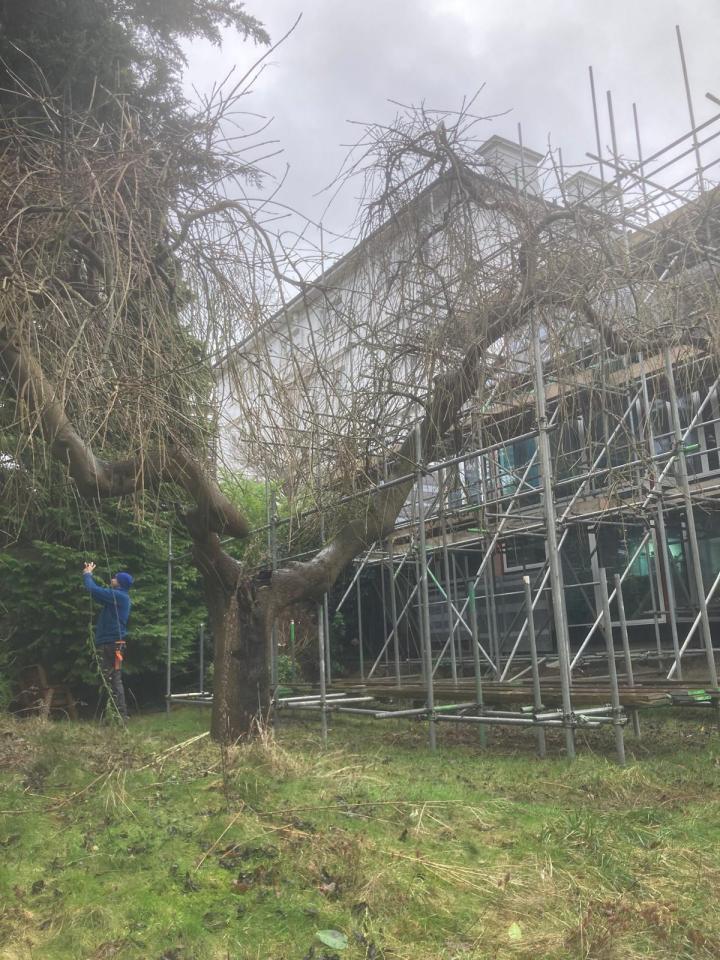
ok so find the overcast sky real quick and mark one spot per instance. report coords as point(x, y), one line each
point(348, 58)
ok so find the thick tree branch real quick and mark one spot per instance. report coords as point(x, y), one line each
point(96, 478)
point(450, 393)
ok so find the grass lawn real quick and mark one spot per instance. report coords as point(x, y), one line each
point(150, 844)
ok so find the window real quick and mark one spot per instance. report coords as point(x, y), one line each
point(605, 422)
point(616, 545)
point(512, 462)
point(708, 529)
point(702, 453)
point(522, 553)
point(567, 455)
point(471, 469)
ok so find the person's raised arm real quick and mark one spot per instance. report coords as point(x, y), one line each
point(101, 594)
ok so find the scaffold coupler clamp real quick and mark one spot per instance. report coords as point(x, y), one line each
point(619, 716)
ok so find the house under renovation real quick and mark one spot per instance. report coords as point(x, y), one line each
point(577, 502)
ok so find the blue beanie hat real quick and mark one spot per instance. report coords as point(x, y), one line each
point(124, 579)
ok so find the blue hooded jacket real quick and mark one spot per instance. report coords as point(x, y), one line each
point(112, 622)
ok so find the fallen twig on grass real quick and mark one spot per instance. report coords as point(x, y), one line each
point(453, 873)
point(163, 756)
point(214, 845)
point(376, 803)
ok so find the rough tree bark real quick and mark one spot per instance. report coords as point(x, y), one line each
point(241, 624)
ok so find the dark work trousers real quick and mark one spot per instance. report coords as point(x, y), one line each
point(112, 671)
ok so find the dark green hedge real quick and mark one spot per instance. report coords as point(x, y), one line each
point(46, 615)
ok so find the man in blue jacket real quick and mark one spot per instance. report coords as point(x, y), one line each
point(111, 629)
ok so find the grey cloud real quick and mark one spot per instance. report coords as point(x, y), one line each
point(346, 59)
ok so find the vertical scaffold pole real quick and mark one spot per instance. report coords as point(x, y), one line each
point(393, 612)
point(662, 549)
point(684, 484)
point(292, 650)
point(556, 579)
point(489, 581)
point(326, 617)
point(321, 664)
point(418, 591)
point(446, 577)
point(537, 695)
point(612, 670)
point(456, 594)
point(597, 135)
point(476, 660)
point(641, 164)
point(653, 594)
point(691, 113)
point(201, 666)
point(326, 621)
point(635, 439)
point(360, 629)
point(491, 613)
point(488, 574)
point(272, 534)
point(424, 598)
point(383, 602)
point(626, 648)
point(168, 669)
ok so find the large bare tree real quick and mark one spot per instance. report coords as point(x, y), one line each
point(121, 285)
point(431, 311)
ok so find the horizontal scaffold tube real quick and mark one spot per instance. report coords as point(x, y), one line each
point(512, 721)
point(420, 711)
point(195, 701)
point(330, 704)
point(550, 715)
point(312, 696)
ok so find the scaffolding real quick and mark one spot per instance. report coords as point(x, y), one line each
point(488, 677)
point(464, 678)
point(489, 617)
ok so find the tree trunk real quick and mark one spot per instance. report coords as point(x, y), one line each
point(241, 688)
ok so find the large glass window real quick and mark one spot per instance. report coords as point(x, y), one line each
point(701, 444)
point(708, 528)
point(610, 418)
point(567, 455)
point(471, 471)
point(522, 552)
point(616, 546)
point(577, 576)
point(512, 462)
point(465, 484)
